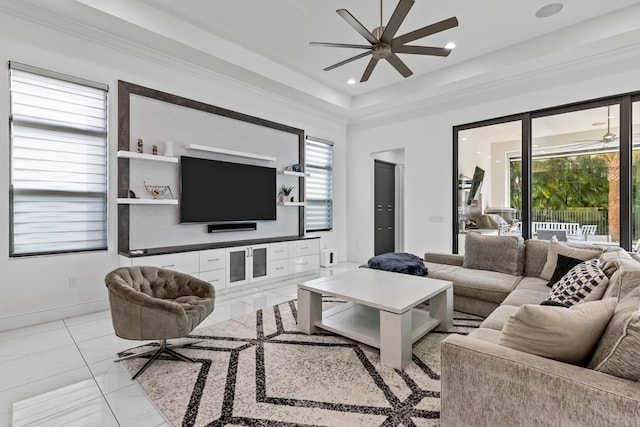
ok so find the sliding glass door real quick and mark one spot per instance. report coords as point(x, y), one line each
point(488, 196)
point(570, 172)
point(575, 173)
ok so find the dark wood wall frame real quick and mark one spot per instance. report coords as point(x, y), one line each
point(125, 89)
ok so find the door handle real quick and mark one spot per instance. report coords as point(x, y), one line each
point(379, 228)
point(389, 228)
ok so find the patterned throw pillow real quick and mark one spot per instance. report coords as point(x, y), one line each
point(584, 282)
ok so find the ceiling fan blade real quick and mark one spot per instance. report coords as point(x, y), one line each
point(399, 65)
point(422, 50)
point(346, 61)
point(396, 20)
point(353, 46)
point(425, 31)
point(367, 72)
point(344, 13)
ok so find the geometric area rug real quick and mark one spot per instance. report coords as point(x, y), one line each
point(258, 369)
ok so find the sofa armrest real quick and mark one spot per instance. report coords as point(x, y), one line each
point(442, 258)
point(485, 384)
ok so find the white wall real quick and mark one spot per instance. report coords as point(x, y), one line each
point(425, 134)
point(34, 290)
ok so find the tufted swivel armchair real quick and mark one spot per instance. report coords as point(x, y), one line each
point(150, 303)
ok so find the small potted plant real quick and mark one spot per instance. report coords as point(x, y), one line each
point(285, 193)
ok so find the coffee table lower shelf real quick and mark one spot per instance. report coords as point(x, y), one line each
point(362, 323)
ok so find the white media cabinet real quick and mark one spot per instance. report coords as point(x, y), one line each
point(235, 265)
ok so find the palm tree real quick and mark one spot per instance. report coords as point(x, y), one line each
point(612, 160)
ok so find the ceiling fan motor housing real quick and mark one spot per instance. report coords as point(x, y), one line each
point(381, 51)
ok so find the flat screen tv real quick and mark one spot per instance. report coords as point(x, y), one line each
point(478, 176)
point(216, 191)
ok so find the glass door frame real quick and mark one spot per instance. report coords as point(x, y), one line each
point(624, 101)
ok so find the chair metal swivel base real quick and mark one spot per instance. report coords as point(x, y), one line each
point(164, 348)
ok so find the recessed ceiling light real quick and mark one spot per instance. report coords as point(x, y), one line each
point(450, 45)
point(549, 10)
point(351, 81)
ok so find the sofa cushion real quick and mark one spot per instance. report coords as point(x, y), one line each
point(584, 282)
point(504, 254)
point(625, 278)
point(564, 334)
point(484, 285)
point(526, 296)
point(534, 283)
point(485, 334)
point(498, 317)
point(556, 248)
point(618, 350)
point(535, 253)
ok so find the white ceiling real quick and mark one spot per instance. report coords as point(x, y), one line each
point(266, 43)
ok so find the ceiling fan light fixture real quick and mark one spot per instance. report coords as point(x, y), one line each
point(549, 10)
point(351, 81)
point(450, 46)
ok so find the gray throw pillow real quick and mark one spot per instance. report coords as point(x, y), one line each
point(564, 334)
point(556, 248)
point(504, 254)
point(618, 351)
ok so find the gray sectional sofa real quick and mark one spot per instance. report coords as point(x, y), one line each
point(485, 383)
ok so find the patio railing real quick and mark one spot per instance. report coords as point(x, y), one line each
point(594, 217)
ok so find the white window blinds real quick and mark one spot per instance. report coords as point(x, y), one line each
point(58, 163)
point(319, 184)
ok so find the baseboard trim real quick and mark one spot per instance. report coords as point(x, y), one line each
point(34, 317)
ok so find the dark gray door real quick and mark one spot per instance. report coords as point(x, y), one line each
point(384, 205)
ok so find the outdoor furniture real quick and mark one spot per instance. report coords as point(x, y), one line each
point(560, 235)
point(588, 230)
point(572, 228)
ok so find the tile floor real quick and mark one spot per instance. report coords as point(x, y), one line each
point(62, 373)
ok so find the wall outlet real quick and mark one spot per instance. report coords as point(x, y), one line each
point(73, 282)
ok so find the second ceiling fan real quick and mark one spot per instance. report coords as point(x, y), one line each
point(384, 44)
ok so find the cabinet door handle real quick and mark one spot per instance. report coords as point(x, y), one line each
point(304, 247)
point(379, 228)
point(167, 266)
point(279, 268)
point(389, 228)
point(215, 259)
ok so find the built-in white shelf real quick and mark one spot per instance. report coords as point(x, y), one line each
point(229, 152)
point(292, 173)
point(127, 201)
point(292, 203)
point(142, 156)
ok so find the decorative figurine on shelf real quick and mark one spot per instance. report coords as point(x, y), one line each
point(296, 168)
point(140, 145)
point(285, 193)
point(132, 195)
point(154, 149)
point(157, 191)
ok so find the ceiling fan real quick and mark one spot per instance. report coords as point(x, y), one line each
point(384, 45)
point(602, 143)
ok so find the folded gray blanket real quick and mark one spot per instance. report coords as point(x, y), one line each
point(400, 262)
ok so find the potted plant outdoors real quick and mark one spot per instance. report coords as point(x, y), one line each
point(285, 193)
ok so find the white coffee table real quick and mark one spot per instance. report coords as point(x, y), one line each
point(380, 311)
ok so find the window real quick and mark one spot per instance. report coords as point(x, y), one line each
point(58, 189)
point(576, 170)
point(318, 185)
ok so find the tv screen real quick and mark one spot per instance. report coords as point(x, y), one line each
point(215, 191)
point(478, 176)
